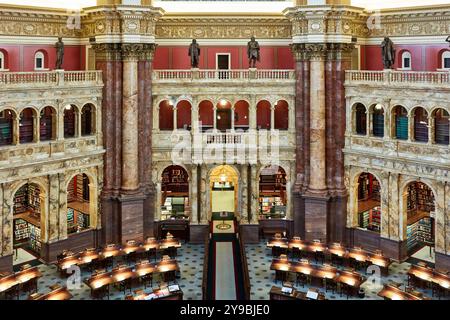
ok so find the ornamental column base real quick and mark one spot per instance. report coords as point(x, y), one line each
point(316, 206)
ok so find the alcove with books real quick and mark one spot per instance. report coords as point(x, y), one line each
point(175, 193)
point(272, 193)
point(369, 202)
point(78, 204)
point(27, 218)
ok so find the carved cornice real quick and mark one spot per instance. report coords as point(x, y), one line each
point(314, 51)
point(220, 27)
point(138, 51)
point(124, 51)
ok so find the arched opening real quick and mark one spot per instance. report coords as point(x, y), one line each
point(3, 60)
point(360, 119)
point(48, 124)
point(406, 60)
point(241, 115)
point(420, 125)
point(175, 193)
point(281, 115)
point(272, 193)
point(40, 60)
point(26, 125)
point(165, 115)
point(184, 110)
point(29, 202)
point(79, 204)
point(6, 127)
point(70, 121)
point(263, 115)
point(378, 121)
point(369, 202)
point(224, 185)
point(223, 115)
point(441, 126)
point(401, 123)
point(420, 226)
point(88, 120)
point(206, 115)
point(445, 60)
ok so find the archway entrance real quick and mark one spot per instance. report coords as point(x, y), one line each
point(272, 193)
point(420, 226)
point(29, 202)
point(224, 185)
point(79, 206)
point(369, 202)
point(175, 193)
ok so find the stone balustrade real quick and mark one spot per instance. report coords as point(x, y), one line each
point(58, 78)
point(397, 78)
point(222, 75)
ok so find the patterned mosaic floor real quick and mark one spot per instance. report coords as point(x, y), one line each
point(262, 278)
point(190, 259)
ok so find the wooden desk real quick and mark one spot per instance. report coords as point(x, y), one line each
point(276, 293)
point(351, 281)
point(14, 281)
point(169, 243)
point(278, 246)
point(67, 262)
point(57, 294)
point(420, 275)
point(393, 293)
point(99, 283)
point(175, 295)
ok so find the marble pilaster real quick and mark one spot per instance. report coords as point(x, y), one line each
point(317, 120)
point(204, 186)
point(244, 193)
point(440, 218)
point(53, 208)
point(394, 209)
point(130, 163)
point(62, 204)
point(254, 201)
point(193, 194)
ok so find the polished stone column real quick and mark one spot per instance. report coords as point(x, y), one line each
point(36, 128)
point(244, 193)
point(317, 183)
point(193, 197)
point(7, 221)
point(175, 116)
point(130, 163)
point(272, 117)
point(204, 191)
point(254, 201)
point(53, 208)
point(62, 191)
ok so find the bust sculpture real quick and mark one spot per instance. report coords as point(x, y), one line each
point(194, 53)
point(388, 53)
point(253, 52)
point(59, 53)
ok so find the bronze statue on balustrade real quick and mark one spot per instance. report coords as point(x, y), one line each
point(59, 53)
point(194, 53)
point(253, 52)
point(388, 53)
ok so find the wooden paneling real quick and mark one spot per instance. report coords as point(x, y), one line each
point(75, 242)
point(442, 262)
point(6, 264)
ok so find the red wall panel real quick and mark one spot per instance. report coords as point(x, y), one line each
point(171, 57)
point(424, 57)
point(263, 114)
point(21, 57)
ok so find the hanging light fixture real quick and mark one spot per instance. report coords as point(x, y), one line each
point(378, 107)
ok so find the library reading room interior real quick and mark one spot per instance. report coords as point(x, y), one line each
point(223, 150)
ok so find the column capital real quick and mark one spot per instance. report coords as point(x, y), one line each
point(107, 51)
point(138, 51)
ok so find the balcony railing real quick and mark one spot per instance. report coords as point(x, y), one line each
point(390, 77)
point(246, 74)
point(50, 78)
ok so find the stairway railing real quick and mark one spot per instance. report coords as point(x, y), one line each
point(206, 268)
point(246, 277)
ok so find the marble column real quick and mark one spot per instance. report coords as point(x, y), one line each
point(53, 208)
point(232, 118)
point(317, 121)
point(175, 115)
point(215, 118)
point(93, 204)
point(194, 118)
point(36, 128)
point(156, 118)
point(431, 130)
point(395, 196)
point(16, 126)
point(411, 137)
point(272, 117)
point(130, 163)
point(384, 205)
point(252, 115)
point(244, 193)
point(440, 217)
point(158, 202)
point(193, 197)
point(7, 221)
point(254, 201)
point(62, 190)
point(447, 217)
point(204, 191)
point(2, 205)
